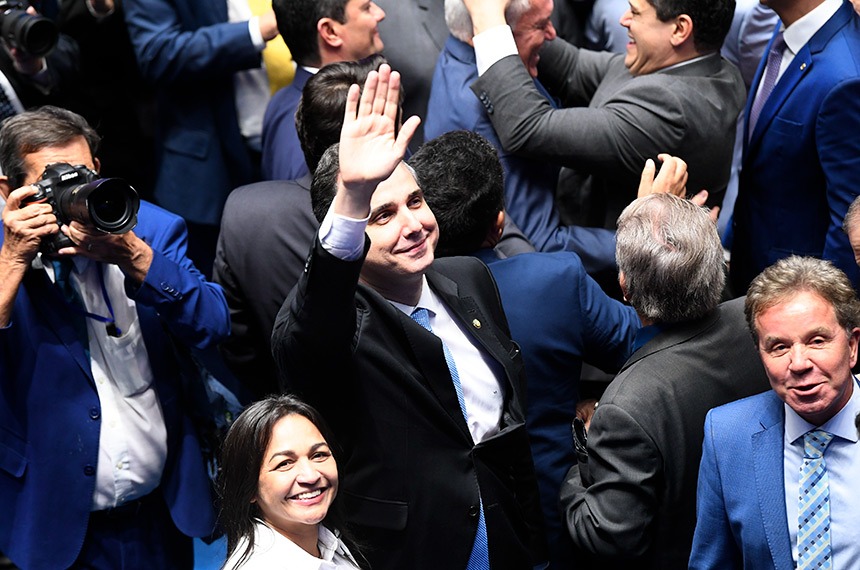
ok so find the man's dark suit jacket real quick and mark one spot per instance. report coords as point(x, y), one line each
point(645, 441)
point(411, 473)
point(414, 32)
point(266, 232)
point(612, 121)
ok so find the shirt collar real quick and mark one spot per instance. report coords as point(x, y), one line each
point(842, 424)
point(428, 300)
point(800, 32)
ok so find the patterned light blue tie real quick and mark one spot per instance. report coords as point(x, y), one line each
point(774, 60)
point(480, 557)
point(813, 528)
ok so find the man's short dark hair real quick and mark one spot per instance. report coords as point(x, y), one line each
point(324, 185)
point(297, 24)
point(319, 116)
point(34, 130)
point(462, 180)
point(711, 19)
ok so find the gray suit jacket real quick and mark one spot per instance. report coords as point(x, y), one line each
point(612, 121)
point(266, 232)
point(645, 441)
point(414, 32)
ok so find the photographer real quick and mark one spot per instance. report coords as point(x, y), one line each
point(37, 66)
point(99, 465)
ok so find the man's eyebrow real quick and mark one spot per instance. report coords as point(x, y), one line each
point(380, 208)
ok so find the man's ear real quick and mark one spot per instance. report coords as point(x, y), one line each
point(329, 32)
point(5, 187)
point(683, 31)
point(622, 282)
point(97, 164)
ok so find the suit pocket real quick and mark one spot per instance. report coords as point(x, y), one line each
point(13, 454)
point(380, 513)
point(190, 143)
point(786, 136)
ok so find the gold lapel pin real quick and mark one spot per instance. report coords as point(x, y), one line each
point(476, 323)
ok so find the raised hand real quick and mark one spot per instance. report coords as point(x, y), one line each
point(369, 149)
point(672, 178)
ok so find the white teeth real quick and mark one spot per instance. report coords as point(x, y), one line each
point(308, 495)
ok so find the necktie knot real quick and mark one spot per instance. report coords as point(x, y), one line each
point(422, 316)
point(815, 442)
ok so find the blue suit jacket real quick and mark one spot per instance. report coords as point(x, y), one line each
point(802, 162)
point(190, 52)
point(49, 407)
point(559, 316)
point(741, 491)
point(283, 158)
point(529, 184)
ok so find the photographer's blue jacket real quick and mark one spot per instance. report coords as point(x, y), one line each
point(49, 408)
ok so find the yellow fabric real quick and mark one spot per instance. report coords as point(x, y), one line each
point(276, 54)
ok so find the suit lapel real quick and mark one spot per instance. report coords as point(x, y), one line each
point(48, 301)
point(427, 348)
point(767, 448)
point(800, 66)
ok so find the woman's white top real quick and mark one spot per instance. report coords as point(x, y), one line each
point(274, 551)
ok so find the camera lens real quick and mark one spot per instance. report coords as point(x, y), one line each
point(112, 205)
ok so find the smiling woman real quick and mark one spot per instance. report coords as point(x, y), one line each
point(278, 486)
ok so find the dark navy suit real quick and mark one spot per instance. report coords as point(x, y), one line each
point(529, 183)
point(190, 52)
point(802, 162)
point(50, 413)
point(559, 316)
point(283, 158)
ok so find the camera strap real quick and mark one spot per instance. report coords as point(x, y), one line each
point(109, 321)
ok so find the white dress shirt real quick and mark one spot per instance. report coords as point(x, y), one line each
point(251, 85)
point(800, 32)
point(133, 436)
point(842, 460)
point(479, 373)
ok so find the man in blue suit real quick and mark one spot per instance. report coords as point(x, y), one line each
point(100, 466)
point(558, 315)
point(529, 183)
point(211, 95)
point(317, 33)
point(800, 165)
point(765, 456)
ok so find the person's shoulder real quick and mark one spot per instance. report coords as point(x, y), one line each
point(746, 410)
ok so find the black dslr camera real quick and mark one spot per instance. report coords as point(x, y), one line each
point(30, 33)
point(77, 194)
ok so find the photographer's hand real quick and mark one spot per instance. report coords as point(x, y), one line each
point(127, 251)
point(23, 230)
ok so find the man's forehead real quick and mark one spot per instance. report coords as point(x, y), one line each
point(401, 183)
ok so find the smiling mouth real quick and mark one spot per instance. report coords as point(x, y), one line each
point(413, 248)
point(307, 495)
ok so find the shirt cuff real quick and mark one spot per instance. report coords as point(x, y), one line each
point(256, 35)
point(343, 237)
point(492, 45)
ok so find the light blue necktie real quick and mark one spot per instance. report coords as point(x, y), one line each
point(813, 528)
point(480, 557)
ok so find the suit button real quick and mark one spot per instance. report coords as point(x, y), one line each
point(89, 470)
point(474, 510)
point(95, 413)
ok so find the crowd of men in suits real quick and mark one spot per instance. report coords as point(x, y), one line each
point(428, 219)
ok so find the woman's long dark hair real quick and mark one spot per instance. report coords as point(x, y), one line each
point(241, 459)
